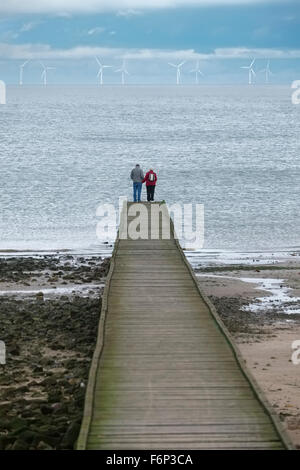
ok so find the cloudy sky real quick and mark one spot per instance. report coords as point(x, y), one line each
point(223, 34)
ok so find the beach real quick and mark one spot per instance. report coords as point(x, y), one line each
point(259, 305)
point(49, 313)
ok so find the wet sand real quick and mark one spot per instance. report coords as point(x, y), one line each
point(263, 330)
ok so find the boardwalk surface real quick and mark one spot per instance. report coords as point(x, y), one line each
point(164, 373)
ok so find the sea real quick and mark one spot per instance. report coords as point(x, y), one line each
point(66, 150)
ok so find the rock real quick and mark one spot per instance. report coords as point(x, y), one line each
point(43, 446)
point(70, 436)
point(45, 361)
point(58, 408)
point(293, 423)
point(54, 397)
point(28, 436)
point(17, 424)
point(46, 409)
point(3, 442)
point(49, 381)
point(13, 349)
point(33, 383)
point(19, 444)
point(4, 380)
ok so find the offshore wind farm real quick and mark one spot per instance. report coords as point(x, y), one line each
point(181, 73)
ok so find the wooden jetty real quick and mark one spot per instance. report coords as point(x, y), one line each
point(166, 373)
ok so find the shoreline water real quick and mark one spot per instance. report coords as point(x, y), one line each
point(198, 257)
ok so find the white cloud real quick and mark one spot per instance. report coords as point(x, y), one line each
point(29, 26)
point(44, 51)
point(9, 35)
point(97, 30)
point(246, 53)
point(128, 13)
point(91, 6)
point(261, 33)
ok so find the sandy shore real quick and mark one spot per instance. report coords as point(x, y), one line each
point(257, 318)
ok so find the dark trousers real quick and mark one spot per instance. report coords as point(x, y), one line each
point(150, 193)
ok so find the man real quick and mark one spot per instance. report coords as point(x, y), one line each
point(137, 177)
point(150, 179)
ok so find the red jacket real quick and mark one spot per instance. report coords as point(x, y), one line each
point(150, 183)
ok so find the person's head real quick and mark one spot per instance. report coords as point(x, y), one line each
point(137, 165)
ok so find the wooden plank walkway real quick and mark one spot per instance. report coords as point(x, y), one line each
point(166, 373)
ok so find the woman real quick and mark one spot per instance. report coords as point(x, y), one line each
point(150, 180)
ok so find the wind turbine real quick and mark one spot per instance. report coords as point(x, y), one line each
point(101, 68)
point(178, 74)
point(2, 92)
point(21, 72)
point(251, 71)
point(123, 71)
point(268, 72)
point(197, 71)
point(44, 73)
